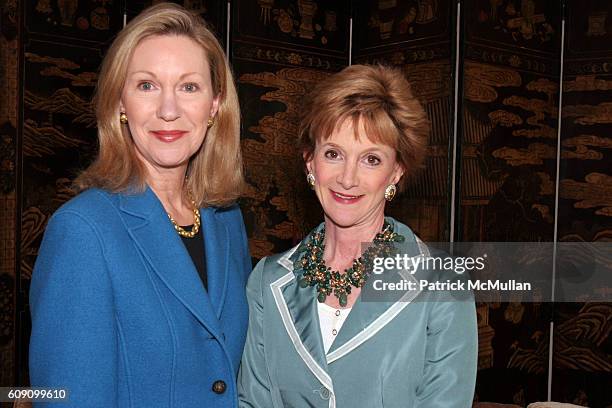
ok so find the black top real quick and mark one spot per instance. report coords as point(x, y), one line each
point(195, 247)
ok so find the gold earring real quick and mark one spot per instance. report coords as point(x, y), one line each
point(211, 122)
point(390, 192)
point(310, 178)
point(123, 118)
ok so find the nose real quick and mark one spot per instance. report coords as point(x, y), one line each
point(169, 108)
point(348, 176)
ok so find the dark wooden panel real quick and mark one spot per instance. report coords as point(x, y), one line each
point(508, 159)
point(317, 25)
point(213, 11)
point(280, 50)
point(10, 37)
point(589, 29)
point(582, 346)
point(390, 22)
point(508, 171)
point(73, 20)
point(279, 208)
point(524, 26)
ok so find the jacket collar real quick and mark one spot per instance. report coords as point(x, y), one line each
point(365, 319)
point(152, 231)
point(144, 205)
point(298, 312)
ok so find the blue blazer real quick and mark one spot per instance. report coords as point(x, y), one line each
point(120, 317)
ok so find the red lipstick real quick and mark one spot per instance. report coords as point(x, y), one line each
point(168, 136)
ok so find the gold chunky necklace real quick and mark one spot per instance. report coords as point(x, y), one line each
point(196, 221)
point(328, 281)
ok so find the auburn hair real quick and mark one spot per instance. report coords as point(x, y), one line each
point(381, 99)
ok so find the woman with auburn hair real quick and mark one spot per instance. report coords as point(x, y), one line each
point(314, 340)
point(137, 296)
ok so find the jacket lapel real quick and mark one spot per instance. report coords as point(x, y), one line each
point(302, 306)
point(150, 228)
point(299, 315)
point(216, 243)
point(368, 318)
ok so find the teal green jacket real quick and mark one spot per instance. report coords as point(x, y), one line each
point(413, 352)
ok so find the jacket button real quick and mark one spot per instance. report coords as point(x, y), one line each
point(219, 387)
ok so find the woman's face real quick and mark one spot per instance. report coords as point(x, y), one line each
point(168, 99)
point(352, 175)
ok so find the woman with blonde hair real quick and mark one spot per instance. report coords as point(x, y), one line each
point(313, 339)
point(137, 296)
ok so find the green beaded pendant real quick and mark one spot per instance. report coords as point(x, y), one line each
point(327, 281)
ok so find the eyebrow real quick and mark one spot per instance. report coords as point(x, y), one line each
point(373, 149)
point(155, 76)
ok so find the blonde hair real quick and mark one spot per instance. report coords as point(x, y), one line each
point(214, 174)
point(378, 96)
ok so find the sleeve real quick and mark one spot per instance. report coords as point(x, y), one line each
point(451, 356)
point(73, 343)
point(253, 378)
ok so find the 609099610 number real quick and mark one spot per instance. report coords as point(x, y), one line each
point(38, 394)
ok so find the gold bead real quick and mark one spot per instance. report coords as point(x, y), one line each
point(196, 221)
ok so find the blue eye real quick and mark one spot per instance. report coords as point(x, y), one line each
point(145, 86)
